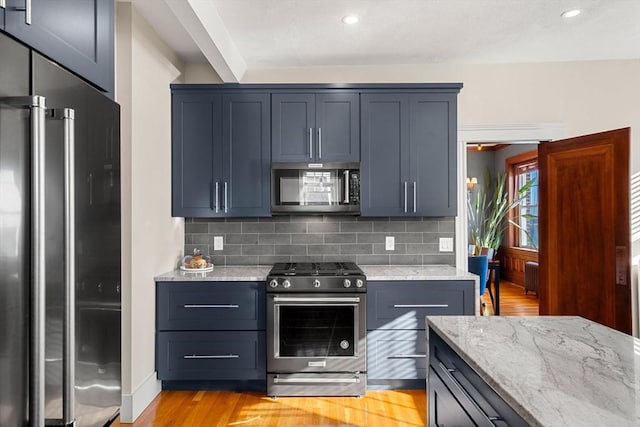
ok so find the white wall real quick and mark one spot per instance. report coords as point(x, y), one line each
point(152, 240)
point(589, 96)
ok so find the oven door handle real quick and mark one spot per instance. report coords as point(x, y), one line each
point(277, 380)
point(312, 299)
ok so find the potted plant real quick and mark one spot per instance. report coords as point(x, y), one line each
point(488, 212)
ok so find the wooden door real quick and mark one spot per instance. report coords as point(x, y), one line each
point(584, 228)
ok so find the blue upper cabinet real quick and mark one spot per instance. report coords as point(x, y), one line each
point(77, 34)
point(246, 168)
point(196, 154)
point(408, 165)
point(315, 127)
point(220, 154)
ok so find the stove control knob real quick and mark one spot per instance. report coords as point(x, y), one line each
point(286, 284)
point(347, 283)
point(316, 283)
point(273, 283)
point(359, 283)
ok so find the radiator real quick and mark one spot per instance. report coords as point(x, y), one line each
point(531, 277)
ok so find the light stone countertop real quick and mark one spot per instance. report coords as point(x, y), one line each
point(219, 274)
point(415, 272)
point(373, 272)
point(552, 370)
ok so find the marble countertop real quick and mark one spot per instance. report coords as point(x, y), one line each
point(373, 272)
point(219, 274)
point(553, 371)
point(415, 272)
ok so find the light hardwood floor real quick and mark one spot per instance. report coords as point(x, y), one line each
point(377, 408)
point(217, 408)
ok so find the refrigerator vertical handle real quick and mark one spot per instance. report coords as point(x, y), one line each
point(68, 360)
point(38, 277)
point(67, 115)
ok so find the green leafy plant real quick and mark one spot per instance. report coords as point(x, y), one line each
point(488, 211)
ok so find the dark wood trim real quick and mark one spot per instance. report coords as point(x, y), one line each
point(510, 164)
point(512, 262)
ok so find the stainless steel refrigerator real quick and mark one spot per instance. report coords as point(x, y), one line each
point(60, 323)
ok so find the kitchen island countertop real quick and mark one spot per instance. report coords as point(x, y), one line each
point(552, 370)
point(373, 273)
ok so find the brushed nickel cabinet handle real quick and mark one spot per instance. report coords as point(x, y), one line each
point(310, 143)
point(415, 196)
point(420, 305)
point(405, 196)
point(319, 143)
point(211, 306)
point(210, 356)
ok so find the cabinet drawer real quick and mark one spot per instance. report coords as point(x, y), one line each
point(210, 306)
point(238, 355)
point(404, 305)
point(396, 354)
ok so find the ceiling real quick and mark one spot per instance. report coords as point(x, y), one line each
point(235, 35)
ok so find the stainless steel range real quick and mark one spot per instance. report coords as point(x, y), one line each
point(316, 331)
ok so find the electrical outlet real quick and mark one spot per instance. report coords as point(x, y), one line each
point(217, 243)
point(389, 243)
point(446, 244)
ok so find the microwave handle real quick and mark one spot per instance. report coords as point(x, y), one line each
point(346, 186)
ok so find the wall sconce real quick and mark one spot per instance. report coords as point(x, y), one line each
point(471, 183)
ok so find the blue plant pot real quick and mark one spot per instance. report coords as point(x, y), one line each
point(479, 264)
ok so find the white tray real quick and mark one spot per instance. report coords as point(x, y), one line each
point(197, 270)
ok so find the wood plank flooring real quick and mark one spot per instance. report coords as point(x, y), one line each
point(513, 301)
point(377, 408)
point(218, 408)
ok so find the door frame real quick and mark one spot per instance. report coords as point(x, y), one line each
point(509, 133)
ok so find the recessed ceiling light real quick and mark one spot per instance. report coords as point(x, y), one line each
point(350, 19)
point(571, 13)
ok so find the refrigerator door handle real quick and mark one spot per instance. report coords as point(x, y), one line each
point(67, 115)
point(37, 288)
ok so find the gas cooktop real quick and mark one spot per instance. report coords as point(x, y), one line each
point(316, 277)
point(316, 269)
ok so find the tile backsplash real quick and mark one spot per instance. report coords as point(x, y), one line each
point(264, 241)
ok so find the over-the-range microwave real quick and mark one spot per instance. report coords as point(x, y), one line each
point(315, 188)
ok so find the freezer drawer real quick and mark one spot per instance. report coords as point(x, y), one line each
point(211, 306)
point(233, 355)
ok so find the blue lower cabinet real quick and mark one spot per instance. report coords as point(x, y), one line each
point(457, 395)
point(396, 311)
point(227, 355)
point(396, 356)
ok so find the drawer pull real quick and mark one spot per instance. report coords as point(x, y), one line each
point(211, 306)
point(318, 380)
point(210, 356)
point(420, 305)
point(409, 356)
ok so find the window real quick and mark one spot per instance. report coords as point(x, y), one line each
point(523, 173)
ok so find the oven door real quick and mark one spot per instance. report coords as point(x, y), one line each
point(316, 332)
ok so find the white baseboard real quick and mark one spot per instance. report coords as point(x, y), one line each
point(133, 404)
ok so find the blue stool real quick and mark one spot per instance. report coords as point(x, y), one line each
point(479, 264)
